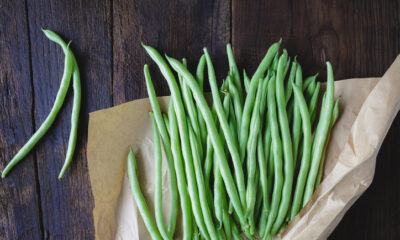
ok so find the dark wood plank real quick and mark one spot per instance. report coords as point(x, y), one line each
point(361, 39)
point(67, 205)
point(18, 192)
point(178, 28)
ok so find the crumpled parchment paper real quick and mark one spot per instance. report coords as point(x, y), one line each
point(367, 109)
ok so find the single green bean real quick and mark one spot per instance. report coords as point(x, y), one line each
point(310, 90)
point(296, 127)
point(167, 149)
point(305, 159)
point(201, 185)
point(251, 190)
point(200, 79)
point(234, 71)
point(62, 92)
point(321, 135)
point(215, 137)
point(76, 102)
point(335, 114)
point(166, 122)
point(262, 164)
point(246, 81)
point(287, 146)
point(277, 156)
point(292, 76)
point(187, 221)
point(313, 103)
point(139, 198)
point(158, 207)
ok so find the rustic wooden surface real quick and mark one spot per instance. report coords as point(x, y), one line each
point(360, 38)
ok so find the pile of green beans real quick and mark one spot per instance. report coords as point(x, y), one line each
point(71, 70)
point(246, 165)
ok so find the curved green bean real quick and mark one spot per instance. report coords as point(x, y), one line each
point(158, 208)
point(62, 92)
point(237, 104)
point(321, 135)
point(139, 198)
point(296, 127)
point(277, 156)
point(287, 146)
point(305, 159)
point(76, 106)
point(215, 137)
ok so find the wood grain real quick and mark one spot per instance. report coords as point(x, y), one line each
point(360, 38)
point(19, 191)
point(67, 205)
point(177, 28)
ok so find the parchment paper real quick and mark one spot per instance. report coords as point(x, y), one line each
point(368, 107)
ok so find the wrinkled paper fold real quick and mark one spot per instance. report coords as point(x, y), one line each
point(367, 109)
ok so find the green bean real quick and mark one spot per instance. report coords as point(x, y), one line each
point(200, 184)
point(310, 90)
point(277, 155)
point(238, 107)
point(251, 94)
point(263, 102)
point(265, 62)
point(234, 71)
point(232, 120)
point(215, 137)
point(320, 135)
point(218, 185)
point(139, 198)
point(181, 179)
point(305, 159)
point(296, 127)
point(252, 220)
point(262, 163)
point(313, 103)
point(200, 79)
point(335, 114)
point(235, 232)
point(251, 157)
point(292, 76)
point(184, 136)
point(158, 208)
point(76, 102)
point(167, 149)
point(246, 81)
point(308, 81)
point(62, 92)
point(166, 122)
point(287, 146)
point(200, 71)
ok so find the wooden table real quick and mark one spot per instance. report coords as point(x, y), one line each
point(360, 38)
